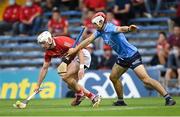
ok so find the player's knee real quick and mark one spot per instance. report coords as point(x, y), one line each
point(147, 80)
point(65, 79)
point(113, 78)
point(68, 80)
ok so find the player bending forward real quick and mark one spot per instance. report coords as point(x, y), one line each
point(128, 56)
point(57, 47)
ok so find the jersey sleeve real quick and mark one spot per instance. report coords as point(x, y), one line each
point(111, 28)
point(38, 9)
point(6, 15)
point(22, 16)
point(47, 58)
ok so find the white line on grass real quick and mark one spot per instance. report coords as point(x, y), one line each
point(82, 109)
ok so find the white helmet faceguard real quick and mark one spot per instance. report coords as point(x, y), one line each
point(44, 37)
point(97, 20)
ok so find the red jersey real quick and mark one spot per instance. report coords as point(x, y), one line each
point(27, 12)
point(62, 45)
point(87, 23)
point(94, 4)
point(11, 13)
point(116, 22)
point(57, 26)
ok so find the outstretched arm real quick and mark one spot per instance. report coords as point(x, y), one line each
point(85, 43)
point(81, 67)
point(82, 45)
point(131, 28)
point(42, 75)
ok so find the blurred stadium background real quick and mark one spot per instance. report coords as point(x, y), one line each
point(21, 57)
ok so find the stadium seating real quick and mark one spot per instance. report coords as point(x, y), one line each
point(19, 52)
point(159, 19)
point(66, 13)
point(26, 50)
point(167, 11)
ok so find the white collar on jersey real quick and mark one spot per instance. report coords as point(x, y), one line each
point(53, 42)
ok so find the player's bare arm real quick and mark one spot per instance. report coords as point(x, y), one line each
point(81, 57)
point(85, 43)
point(131, 28)
point(81, 67)
point(42, 75)
point(82, 45)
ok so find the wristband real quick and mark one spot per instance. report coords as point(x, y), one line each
point(81, 66)
point(66, 60)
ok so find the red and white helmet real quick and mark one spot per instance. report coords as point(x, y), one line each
point(98, 17)
point(44, 37)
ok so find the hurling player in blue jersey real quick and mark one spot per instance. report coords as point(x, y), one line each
point(128, 56)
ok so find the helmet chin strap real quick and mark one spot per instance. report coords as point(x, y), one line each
point(52, 44)
point(102, 26)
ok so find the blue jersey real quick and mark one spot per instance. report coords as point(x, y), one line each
point(116, 40)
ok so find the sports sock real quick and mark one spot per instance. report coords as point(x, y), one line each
point(167, 97)
point(79, 93)
point(120, 100)
point(90, 96)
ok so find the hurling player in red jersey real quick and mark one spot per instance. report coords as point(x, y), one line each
point(57, 25)
point(10, 17)
point(57, 47)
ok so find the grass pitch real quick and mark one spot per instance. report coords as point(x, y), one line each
point(61, 107)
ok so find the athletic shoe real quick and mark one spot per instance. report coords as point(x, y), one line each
point(119, 103)
point(96, 101)
point(170, 102)
point(77, 100)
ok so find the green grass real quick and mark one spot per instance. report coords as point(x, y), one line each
point(61, 107)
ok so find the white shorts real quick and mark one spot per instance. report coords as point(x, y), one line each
point(87, 58)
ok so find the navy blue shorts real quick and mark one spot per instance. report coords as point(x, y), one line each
point(131, 62)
